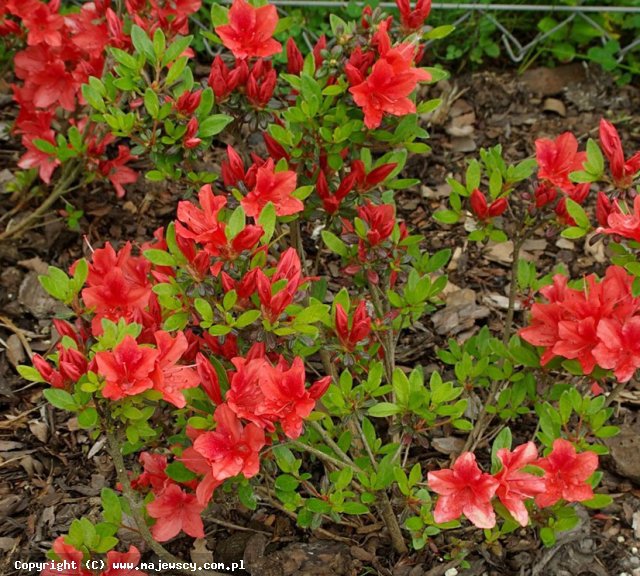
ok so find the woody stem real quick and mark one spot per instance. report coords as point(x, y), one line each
point(70, 172)
point(483, 422)
point(113, 443)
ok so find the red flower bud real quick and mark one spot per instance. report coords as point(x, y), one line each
point(479, 205)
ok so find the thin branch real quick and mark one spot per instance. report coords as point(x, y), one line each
point(113, 444)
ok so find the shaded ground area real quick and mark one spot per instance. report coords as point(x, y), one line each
point(51, 472)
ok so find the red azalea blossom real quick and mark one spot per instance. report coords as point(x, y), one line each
point(566, 474)
point(558, 158)
point(569, 325)
point(118, 286)
point(168, 378)
point(484, 211)
point(175, 510)
point(154, 475)
point(275, 187)
point(622, 171)
point(360, 325)
point(517, 486)
point(232, 448)
point(413, 19)
point(127, 369)
point(250, 30)
point(464, 489)
point(380, 219)
point(392, 79)
point(619, 346)
point(623, 224)
point(265, 394)
point(118, 172)
point(66, 553)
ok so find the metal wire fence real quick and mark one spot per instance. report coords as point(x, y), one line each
point(515, 47)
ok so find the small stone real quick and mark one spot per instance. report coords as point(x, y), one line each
point(451, 572)
point(620, 539)
point(634, 550)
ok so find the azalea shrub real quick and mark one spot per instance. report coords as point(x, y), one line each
point(223, 356)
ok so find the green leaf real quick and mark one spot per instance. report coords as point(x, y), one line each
point(355, 508)
point(573, 233)
point(30, 373)
point(247, 318)
point(446, 216)
point(439, 32)
point(383, 409)
point(159, 257)
point(61, 399)
point(334, 243)
point(176, 322)
point(175, 49)
point(598, 501)
point(88, 418)
point(578, 214)
point(142, 43)
point(151, 103)
point(267, 220)
point(179, 472)
point(111, 507)
point(286, 483)
point(214, 125)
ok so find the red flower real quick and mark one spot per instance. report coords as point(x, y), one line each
point(204, 227)
point(67, 553)
point(365, 181)
point(289, 269)
point(603, 208)
point(568, 325)
point(360, 325)
point(130, 558)
point(223, 81)
point(117, 172)
point(464, 489)
point(232, 168)
point(261, 83)
point(517, 486)
point(544, 195)
point(286, 397)
point(558, 158)
point(154, 475)
point(250, 30)
point(127, 369)
point(294, 57)
point(621, 171)
point(175, 510)
point(413, 19)
point(188, 102)
point(482, 211)
point(118, 286)
point(190, 140)
point(393, 78)
point(331, 202)
point(168, 378)
point(380, 219)
point(44, 24)
point(566, 474)
point(208, 378)
point(49, 373)
point(619, 347)
point(231, 449)
point(275, 187)
point(625, 225)
point(265, 394)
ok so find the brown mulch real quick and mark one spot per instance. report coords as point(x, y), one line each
point(51, 472)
